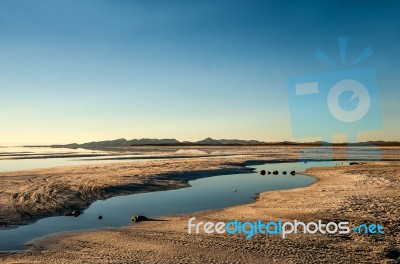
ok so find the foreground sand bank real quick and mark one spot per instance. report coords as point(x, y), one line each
point(361, 193)
point(365, 193)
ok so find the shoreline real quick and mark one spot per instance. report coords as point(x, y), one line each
point(166, 180)
point(359, 193)
point(155, 181)
point(243, 167)
point(168, 241)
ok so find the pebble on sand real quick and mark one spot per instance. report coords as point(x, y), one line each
point(139, 218)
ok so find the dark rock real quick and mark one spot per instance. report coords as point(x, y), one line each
point(284, 172)
point(139, 218)
point(262, 172)
point(269, 172)
point(74, 213)
point(100, 217)
point(275, 172)
point(292, 173)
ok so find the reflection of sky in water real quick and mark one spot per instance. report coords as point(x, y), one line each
point(25, 164)
point(45, 150)
point(205, 194)
point(7, 164)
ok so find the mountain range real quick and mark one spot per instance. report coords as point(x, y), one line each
point(122, 142)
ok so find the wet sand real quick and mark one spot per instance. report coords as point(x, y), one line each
point(28, 195)
point(358, 193)
point(33, 194)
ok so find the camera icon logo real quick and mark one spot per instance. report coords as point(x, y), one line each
point(358, 90)
point(337, 102)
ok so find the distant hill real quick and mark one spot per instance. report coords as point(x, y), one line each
point(209, 141)
point(122, 142)
point(107, 143)
point(152, 141)
point(240, 142)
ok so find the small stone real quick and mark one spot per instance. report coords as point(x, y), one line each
point(139, 218)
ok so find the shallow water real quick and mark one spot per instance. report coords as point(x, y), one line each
point(25, 158)
point(10, 157)
point(204, 194)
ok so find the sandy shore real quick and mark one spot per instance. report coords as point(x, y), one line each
point(29, 195)
point(360, 193)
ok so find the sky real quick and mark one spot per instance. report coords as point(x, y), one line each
point(78, 71)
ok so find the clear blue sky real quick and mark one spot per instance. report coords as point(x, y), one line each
point(76, 71)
